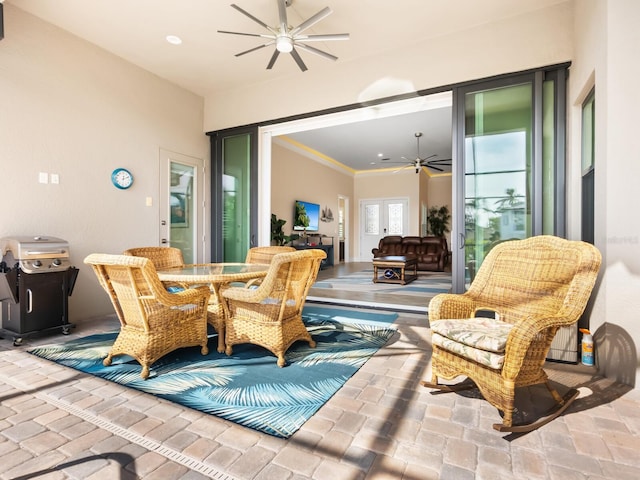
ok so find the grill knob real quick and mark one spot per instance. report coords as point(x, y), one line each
point(37, 263)
point(56, 262)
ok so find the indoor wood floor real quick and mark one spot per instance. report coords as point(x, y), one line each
point(410, 302)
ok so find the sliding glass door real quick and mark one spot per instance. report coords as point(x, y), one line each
point(507, 177)
point(234, 194)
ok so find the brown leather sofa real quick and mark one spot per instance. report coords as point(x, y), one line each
point(432, 252)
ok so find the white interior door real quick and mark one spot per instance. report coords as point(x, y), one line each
point(379, 218)
point(182, 204)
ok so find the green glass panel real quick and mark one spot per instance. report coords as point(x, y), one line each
point(236, 192)
point(498, 183)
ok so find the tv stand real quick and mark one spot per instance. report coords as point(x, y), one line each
point(319, 242)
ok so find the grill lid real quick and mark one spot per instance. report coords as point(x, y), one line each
point(36, 254)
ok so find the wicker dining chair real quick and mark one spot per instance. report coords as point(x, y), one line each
point(534, 286)
point(271, 315)
point(153, 321)
point(264, 255)
point(169, 257)
point(162, 257)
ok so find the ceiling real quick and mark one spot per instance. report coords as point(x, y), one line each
point(205, 62)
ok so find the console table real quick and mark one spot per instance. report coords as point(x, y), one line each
point(319, 242)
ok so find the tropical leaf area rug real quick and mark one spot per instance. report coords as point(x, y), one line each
point(247, 387)
point(427, 284)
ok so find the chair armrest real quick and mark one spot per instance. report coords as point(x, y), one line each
point(375, 251)
point(247, 295)
point(450, 305)
point(530, 339)
point(189, 295)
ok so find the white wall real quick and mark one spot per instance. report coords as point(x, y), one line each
point(70, 108)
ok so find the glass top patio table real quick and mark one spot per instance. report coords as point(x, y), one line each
point(214, 273)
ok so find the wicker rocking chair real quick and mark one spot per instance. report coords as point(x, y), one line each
point(153, 321)
point(535, 286)
point(271, 315)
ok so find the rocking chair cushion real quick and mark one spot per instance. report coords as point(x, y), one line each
point(480, 339)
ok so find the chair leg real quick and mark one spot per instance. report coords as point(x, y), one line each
point(563, 404)
point(221, 343)
point(464, 385)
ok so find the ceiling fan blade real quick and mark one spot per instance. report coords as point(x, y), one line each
point(314, 50)
point(441, 161)
point(246, 34)
point(311, 21)
point(282, 16)
point(298, 59)
point(435, 168)
point(322, 38)
point(258, 21)
point(254, 49)
point(427, 158)
point(274, 57)
point(403, 168)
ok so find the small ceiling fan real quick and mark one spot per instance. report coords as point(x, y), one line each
point(286, 38)
point(420, 162)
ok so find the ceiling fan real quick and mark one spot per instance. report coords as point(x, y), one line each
point(420, 162)
point(287, 38)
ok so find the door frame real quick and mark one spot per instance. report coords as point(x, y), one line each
point(164, 227)
point(423, 101)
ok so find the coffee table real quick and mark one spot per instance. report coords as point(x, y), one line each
point(395, 269)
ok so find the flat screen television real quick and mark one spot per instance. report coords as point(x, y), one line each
point(313, 212)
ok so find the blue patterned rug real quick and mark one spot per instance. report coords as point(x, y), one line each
point(247, 387)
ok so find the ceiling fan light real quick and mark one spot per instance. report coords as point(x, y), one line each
point(284, 44)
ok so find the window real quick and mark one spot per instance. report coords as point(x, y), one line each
point(588, 168)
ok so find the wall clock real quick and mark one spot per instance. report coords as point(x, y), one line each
point(122, 178)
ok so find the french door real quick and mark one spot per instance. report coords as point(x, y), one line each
point(379, 218)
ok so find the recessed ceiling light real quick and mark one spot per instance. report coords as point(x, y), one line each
point(380, 154)
point(174, 39)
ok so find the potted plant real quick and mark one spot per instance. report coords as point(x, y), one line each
point(438, 220)
point(277, 231)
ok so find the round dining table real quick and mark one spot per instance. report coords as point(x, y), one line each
point(216, 275)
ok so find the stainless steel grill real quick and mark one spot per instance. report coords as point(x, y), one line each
point(36, 279)
point(38, 254)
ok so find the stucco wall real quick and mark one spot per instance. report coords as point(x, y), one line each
point(296, 177)
point(72, 109)
point(607, 38)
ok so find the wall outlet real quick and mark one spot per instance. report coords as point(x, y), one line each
point(55, 178)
